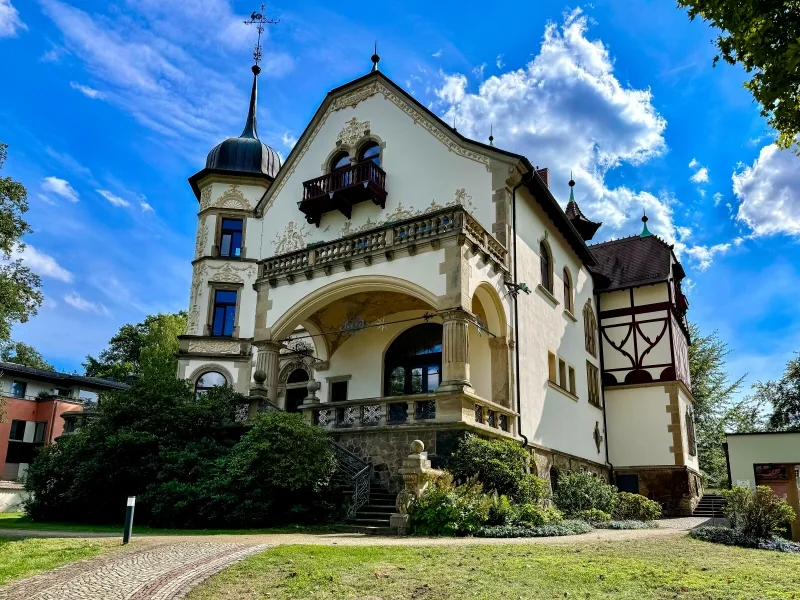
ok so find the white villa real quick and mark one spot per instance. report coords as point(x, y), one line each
point(393, 280)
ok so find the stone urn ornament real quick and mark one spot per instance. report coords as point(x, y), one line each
point(313, 387)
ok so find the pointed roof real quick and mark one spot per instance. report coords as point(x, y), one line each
point(350, 94)
point(584, 226)
point(634, 261)
point(246, 154)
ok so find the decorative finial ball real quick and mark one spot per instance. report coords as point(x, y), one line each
point(571, 183)
point(417, 447)
point(313, 386)
point(259, 376)
point(256, 69)
point(644, 219)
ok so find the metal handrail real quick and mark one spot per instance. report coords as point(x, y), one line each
point(358, 472)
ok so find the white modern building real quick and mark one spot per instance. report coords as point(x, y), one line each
point(394, 280)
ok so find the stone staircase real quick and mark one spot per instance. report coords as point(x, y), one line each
point(373, 517)
point(710, 506)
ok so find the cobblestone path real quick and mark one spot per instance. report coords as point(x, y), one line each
point(150, 571)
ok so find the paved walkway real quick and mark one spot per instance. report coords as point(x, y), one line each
point(159, 567)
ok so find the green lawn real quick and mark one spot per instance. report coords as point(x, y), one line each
point(642, 569)
point(23, 557)
point(20, 521)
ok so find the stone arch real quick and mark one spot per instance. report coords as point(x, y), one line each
point(327, 294)
point(288, 368)
point(490, 359)
point(208, 368)
point(544, 245)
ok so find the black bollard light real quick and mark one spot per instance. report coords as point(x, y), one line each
point(126, 535)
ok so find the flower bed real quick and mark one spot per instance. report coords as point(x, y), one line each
point(734, 537)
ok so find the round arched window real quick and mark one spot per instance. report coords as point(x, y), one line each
point(341, 159)
point(413, 363)
point(209, 381)
point(296, 389)
point(370, 151)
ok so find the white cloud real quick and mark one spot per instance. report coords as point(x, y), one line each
point(42, 264)
point(288, 140)
point(499, 61)
point(46, 199)
point(701, 176)
point(77, 301)
point(704, 255)
point(437, 54)
point(59, 187)
point(693, 164)
point(113, 198)
point(567, 111)
point(769, 193)
point(146, 207)
point(86, 90)
point(717, 198)
point(478, 71)
point(10, 23)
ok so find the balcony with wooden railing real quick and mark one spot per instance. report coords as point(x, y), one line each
point(341, 189)
point(435, 410)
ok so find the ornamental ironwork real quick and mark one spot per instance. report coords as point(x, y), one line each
point(346, 417)
point(242, 411)
point(425, 409)
point(491, 420)
point(324, 417)
point(371, 414)
point(398, 412)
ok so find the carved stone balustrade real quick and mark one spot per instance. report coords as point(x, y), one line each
point(383, 241)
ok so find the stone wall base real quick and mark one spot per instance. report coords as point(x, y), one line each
point(677, 489)
point(552, 463)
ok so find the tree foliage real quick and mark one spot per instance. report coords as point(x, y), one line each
point(136, 348)
point(186, 460)
point(23, 354)
point(764, 37)
point(784, 396)
point(19, 286)
point(716, 409)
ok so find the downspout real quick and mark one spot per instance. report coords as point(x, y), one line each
point(526, 177)
point(603, 388)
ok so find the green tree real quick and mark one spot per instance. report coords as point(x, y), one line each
point(22, 354)
point(146, 346)
point(764, 37)
point(784, 396)
point(19, 286)
point(715, 408)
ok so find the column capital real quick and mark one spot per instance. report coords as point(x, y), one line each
point(267, 345)
point(455, 314)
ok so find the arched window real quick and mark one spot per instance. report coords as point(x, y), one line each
point(209, 381)
point(340, 159)
point(413, 363)
point(590, 329)
point(690, 432)
point(296, 389)
point(568, 302)
point(370, 151)
point(546, 267)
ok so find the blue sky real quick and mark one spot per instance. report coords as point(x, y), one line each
point(109, 106)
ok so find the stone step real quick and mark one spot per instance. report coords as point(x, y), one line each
point(382, 508)
point(369, 514)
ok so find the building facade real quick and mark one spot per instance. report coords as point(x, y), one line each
point(35, 403)
point(393, 280)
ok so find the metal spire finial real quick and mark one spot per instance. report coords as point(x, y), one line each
point(571, 188)
point(260, 20)
point(375, 58)
point(645, 230)
point(491, 134)
point(454, 123)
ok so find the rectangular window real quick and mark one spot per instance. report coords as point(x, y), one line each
point(38, 433)
point(17, 430)
point(593, 379)
point(551, 366)
point(18, 389)
point(224, 315)
point(63, 392)
point(338, 391)
point(230, 238)
point(562, 373)
point(572, 381)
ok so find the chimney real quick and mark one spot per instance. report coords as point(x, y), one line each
point(545, 175)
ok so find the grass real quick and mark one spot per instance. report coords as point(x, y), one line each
point(22, 522)
point(23, 557)
point(639, 569)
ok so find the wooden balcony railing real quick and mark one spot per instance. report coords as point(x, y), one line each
point(428, 228)
point(472, 411)
point(341, 189)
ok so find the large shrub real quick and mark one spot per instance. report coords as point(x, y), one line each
point(184, 458)
point(500, 466)
point(757, 513)
point(593, 515)
point(448, 509)
point(578, 491)
point(635, 507)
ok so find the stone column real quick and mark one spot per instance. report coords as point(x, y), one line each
point(267, 363)
point(455, 351)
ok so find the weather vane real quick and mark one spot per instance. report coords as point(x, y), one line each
point(260, 20)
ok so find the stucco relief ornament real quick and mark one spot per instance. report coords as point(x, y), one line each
point(214, 347)
point(230, 274)
point(194, 298)
point(353, 131)
point(400, 213)
point(292, 238)
point(233, 198)
point(463, 199)
point(205, 198)
point(202, 238)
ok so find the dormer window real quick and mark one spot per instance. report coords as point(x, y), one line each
point(370, 151)
point(341, 159)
